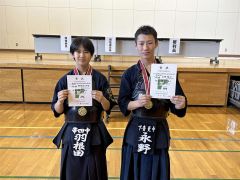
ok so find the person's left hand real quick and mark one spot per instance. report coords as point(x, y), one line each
point(97, 95)
point(179, 101)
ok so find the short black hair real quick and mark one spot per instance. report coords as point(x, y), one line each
point(146, 30)
point(85, 42)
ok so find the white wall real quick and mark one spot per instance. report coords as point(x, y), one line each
point(19, 19)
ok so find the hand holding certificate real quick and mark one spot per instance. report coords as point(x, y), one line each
point(163, 80)
point(80, 90)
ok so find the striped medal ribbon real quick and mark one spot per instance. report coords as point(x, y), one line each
point(146, 80)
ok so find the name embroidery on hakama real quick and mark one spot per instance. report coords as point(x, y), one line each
point(80, 137)
point(145, 138)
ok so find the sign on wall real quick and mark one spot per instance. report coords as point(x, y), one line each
point(174, 46)
point(66, 41)
point(110, 44)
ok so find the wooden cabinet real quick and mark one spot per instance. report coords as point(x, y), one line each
point(204, 88)
point(10, 85)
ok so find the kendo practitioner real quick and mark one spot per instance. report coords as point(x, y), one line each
point(146, 139)
point(84, 136)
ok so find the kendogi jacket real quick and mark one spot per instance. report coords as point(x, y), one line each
point(88, 124)
point(147, 129)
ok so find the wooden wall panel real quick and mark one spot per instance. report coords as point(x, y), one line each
point(11, 85)
point(39, 84)
point(205, 88)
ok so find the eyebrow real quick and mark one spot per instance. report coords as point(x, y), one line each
point(146, 41)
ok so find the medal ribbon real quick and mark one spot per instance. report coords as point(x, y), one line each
point(145, 78)
point(89, 71)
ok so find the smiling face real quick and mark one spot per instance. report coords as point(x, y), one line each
point(82, 50)
point(82, 57)
point(146, 46)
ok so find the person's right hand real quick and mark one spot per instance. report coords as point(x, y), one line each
point(62, 95)
point(143, 99)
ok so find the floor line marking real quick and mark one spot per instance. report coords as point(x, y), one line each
point(110, 177)
point(190, 130)
point(120, 137)
point(118, 149)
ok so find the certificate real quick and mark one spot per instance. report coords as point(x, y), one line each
point(163, 80)
point(79, 90)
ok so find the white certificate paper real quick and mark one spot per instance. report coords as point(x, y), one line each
point(163, 80)
point(79, 90)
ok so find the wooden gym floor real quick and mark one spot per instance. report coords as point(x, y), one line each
point(201, 146)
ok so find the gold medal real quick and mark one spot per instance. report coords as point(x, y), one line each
point(82, 111)
point(149, 105)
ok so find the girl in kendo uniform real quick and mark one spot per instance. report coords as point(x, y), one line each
point(84, 136)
